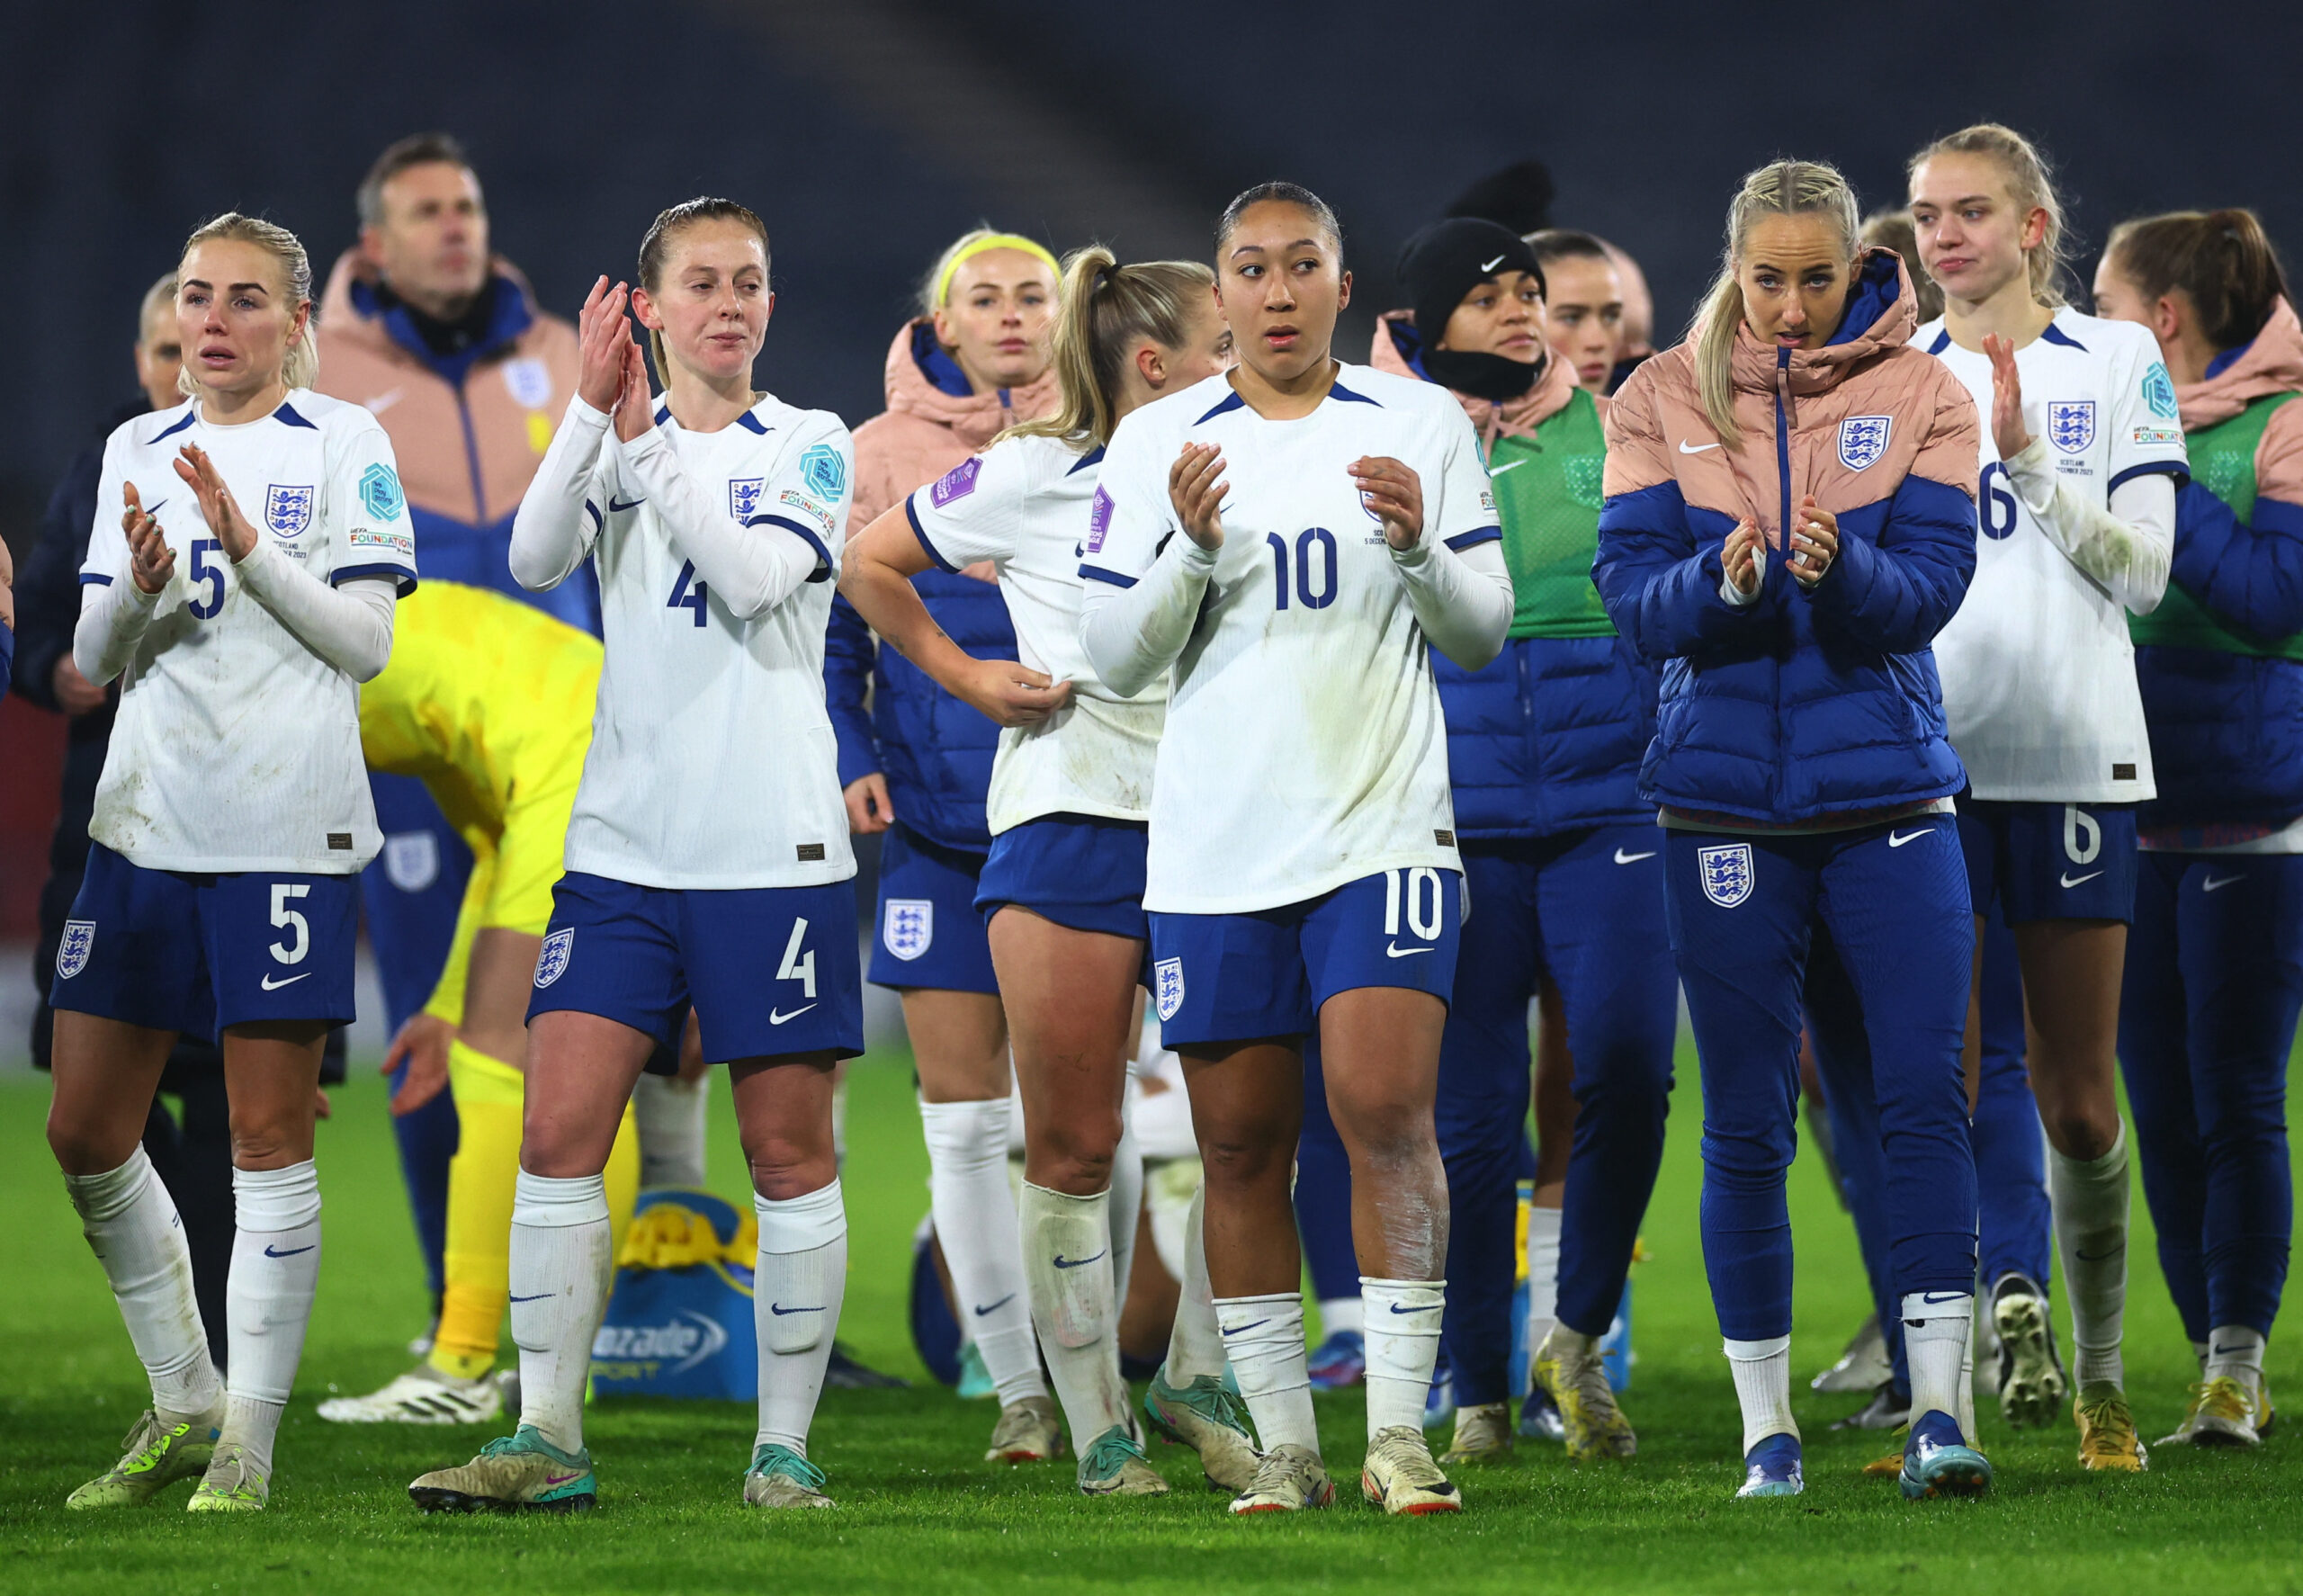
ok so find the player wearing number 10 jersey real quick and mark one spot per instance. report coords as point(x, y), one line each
point(707, 857)
point(1303, 870)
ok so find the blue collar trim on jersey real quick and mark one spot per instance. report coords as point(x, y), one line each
point(942, 372)
point(2055, 334)
point(1339, 391)
point(287, 416)
point(1094, 456)
point(1943, 342)
point(177, 426)
point(1231, 401)
point(663, 413)
point(751, 422)
point(2227, 359)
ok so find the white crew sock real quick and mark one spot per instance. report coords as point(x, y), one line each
point(560, 1270)
point(2236, 1350)
point(2199, 1351)
point(1127, 1203)
point(1068, 1252)
point(1341, 1314)
point(1543, 1279)
point(797, 1287)
point(673, 1116)
point(1403, 1331)
point(1763, 1371)
point(2091, 1230)
point(1264, 1339)
point(1195, 1344)
point(975, 1222)
point(268, 1299)
point(132, 1228)
point(1938, 1331)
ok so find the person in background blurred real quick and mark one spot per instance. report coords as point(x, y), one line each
point(973, 363)
point(2214, 976)
point(445, 345)
point(192, 1149)
point(1638, 315)
point(1892, 229)
point(1583, 305)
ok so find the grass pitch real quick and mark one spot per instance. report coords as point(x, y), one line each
point(918, 1511)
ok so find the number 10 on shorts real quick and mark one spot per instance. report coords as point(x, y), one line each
point(1423, 922)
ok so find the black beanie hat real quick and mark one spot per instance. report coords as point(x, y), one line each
point(1438, 267)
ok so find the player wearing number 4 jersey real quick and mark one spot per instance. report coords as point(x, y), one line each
point(1288, 539)
point(267, 544)
point(1063, 885)
point(707, 856)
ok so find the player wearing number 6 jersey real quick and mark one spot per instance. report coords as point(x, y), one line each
point(266, 546)
point(1071, 786)
point(707, 855)
point(1287, 540)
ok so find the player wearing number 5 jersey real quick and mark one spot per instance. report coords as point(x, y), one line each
point(267, 544)
point(707, 856)
point(1288, 539)
point(1787, 527)
point(2082, 447)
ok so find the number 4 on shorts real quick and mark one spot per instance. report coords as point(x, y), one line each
point(797, 965)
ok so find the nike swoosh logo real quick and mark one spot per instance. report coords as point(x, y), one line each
point(154, 509)
point(2072, 881)
point(270, 1252)
point(1063, 1262)
point(1897, 839)
point(1932, 1297)
point(1393, 950)
point(559, 1479)
point(779, 1310)
point(1624, 858)
point(271, 985)
point(777, 1017)
point(2225, 1352)
point(1245, 1328)
point(994, 1307)
point(2097, 1257)
point(538, 1297)
point(614, 507)
point(1688, 448)
point(2210, 883)
point(1509, 466)
point(1490, 266)
point(1425, 1308)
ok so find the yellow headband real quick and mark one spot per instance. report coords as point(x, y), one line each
point(991, 241)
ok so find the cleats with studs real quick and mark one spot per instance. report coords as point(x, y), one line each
point(2108, 1443)
point(1203, 1414)
point(1288, 1479)
point(1028, 1431)
point(1571, 1371)
point(518, 1473)
point(154, 1454)
point(1771, 1468)
point(2032, 1384)
point(230, 1485)
point(1482, 1436)
point(780, 1477)
point(1402, 1477)
point(1939, 1462)
point(2222, 1414)
point(1114, 1465)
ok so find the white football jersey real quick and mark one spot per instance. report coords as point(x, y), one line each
point(1305, 746)
point(236, 748)
point(711, 763)
point(1023, 505)
point(2038, 677)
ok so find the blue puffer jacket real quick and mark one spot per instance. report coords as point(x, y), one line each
point(2221, 691)
point(1547, 736)
point(1806, 704)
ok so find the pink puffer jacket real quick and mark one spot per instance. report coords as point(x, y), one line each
point(925, 431)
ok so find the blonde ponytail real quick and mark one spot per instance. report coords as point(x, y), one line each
point(301, 366)
point(1780, 188)
point(1107, 308)
point(2030, 184)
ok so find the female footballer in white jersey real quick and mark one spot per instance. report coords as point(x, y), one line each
point(707, 859)
point(1303, 868)
point(1071, 791)
point(266, 543)
point(2082, 450)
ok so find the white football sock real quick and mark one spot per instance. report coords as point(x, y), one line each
point(1068, 1250)
point(560, 1270)
point(1196, 1344)
point(1127, 1203)
point(673, 1116)
point(1403, 1319)
point(1341, 1314)
point(975, 1222)
point(1763, 1371)
point(1939, 1328)
point(268, 1299)
point(132, 1228)
point(2091, 1230)
point(1264, 1339)
point(797, 1287)
point(2236, 1350)
point(1543, 1279)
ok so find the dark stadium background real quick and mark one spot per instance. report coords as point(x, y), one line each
point(870, 132)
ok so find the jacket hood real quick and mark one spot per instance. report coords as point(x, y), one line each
point(349, 308)
point(2272, 362)
point(1399, 350)
point(923, 380)
point(1881, 315)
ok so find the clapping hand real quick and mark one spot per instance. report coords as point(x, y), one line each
point(150, 562)
point(1394, 495)
point(232, 528)
point(1196, 488)
point(2007, 428)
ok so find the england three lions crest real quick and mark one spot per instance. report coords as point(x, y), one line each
point(1726, 871)
point(1168, 987)
point(72, 953)
point(909, 928)
point(1863, 439)
point(744, 494)
point(2071, 423)
point(551, 964)
point(287, 510)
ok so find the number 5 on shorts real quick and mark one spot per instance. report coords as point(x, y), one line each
point(799, 966)
point(282, 915)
